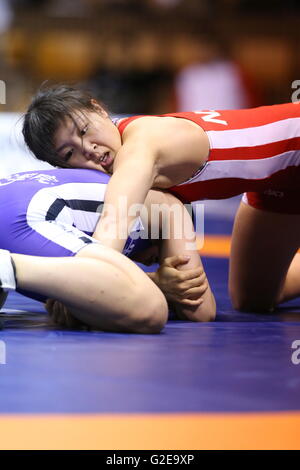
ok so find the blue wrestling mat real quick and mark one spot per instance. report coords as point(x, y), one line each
point(240, 364)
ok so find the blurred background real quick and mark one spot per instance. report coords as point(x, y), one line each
point(147, 56)
point(150, 56)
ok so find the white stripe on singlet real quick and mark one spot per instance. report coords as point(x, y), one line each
point(60, 228)
point(254, 136)
point(246, 169)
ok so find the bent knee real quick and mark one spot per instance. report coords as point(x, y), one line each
point(150, 316)
point(252, 304)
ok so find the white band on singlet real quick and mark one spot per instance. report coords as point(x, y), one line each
point(7, 273)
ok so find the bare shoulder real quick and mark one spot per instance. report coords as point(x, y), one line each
point(143, 126)
point(158, 125)
point(144, 135)
point(177, 146)
point(164, 133)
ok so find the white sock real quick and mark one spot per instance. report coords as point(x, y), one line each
point(7, 272)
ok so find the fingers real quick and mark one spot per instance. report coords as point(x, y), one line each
point(174, 261)
point(191, 274)
point(191, 303)
point(199, 282)
point(194, 282)
point(182, 276)
point(191, 297)
point(195, 292)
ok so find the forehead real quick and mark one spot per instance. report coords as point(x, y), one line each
point(65, 128)
point(69, 124)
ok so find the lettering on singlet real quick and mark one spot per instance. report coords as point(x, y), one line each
point(274, 193)
point(209, 116)
point(40, 177)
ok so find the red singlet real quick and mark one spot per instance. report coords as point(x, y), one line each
point(252, 151)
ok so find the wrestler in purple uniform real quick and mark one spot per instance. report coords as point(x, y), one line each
point(53, 213)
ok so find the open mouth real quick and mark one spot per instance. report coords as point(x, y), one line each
point(106, 160)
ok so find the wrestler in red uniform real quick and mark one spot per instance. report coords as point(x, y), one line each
point(253, 151)
point(202, 154)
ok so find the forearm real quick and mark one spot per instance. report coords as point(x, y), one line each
point(204, 312)
point(198, 303)
point(124, 198)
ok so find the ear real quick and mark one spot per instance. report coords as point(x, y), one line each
point(98, 108)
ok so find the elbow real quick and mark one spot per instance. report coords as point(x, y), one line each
point(210, 315)
point(208, 310)
point(205, 312)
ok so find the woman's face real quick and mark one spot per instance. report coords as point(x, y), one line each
point(92, 141)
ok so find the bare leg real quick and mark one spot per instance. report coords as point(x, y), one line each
point(291, 287)
point(101, 287)
point(263, 247)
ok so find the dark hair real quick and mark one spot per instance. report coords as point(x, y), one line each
point(47, 110)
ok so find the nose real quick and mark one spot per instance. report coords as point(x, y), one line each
point(89, 151)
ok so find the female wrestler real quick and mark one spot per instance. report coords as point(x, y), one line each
point(196, 155)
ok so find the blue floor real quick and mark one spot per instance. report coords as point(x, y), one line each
point(241, 362)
